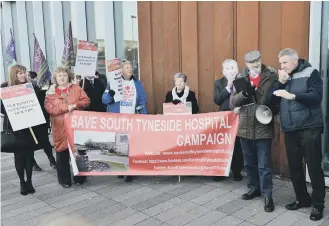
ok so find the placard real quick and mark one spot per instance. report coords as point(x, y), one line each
point(22, 106)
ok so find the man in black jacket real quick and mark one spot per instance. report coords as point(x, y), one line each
point(222, 91)
point(94, 89)
point(301, 88)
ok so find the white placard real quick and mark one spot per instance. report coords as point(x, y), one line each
point(114, 78)
point(86, 60)
point(22, 106)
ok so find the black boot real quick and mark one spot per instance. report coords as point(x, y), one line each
point(128, 179)
point(251, 194)
point(237, 176)
point(36, 167)
point(269, 205)
point(23, 188)
point(316, 214)
point(30, 188)
point(219, 178)
point(53, 164)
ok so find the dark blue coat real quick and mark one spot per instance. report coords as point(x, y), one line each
point(305, 111)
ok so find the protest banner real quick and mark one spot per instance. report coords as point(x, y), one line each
point(113, 76)
point(136, 144)
point(86, 60)
point(178, 109)
point(22, 106)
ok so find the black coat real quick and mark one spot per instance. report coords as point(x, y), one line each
point(40, 131)
point(94, 92)
point(191, 97)
point(221, 95)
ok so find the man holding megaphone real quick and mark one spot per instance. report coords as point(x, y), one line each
point(253, 89)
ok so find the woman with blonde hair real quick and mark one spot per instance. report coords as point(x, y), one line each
point(61, 98)
point(20, 142)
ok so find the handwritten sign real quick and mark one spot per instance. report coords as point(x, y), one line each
point(86, 59)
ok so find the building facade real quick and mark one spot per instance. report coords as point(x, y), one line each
point(113, 25)
point(196, 37)
point(162, 38)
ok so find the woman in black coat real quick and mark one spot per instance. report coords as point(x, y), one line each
point(42, 130)
point(182, 93)
point(23, 158)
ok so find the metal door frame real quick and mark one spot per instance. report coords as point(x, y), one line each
point(319, 58)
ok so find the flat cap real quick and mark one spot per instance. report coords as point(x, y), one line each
point(252, 56)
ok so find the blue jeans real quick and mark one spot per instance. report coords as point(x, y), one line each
point(257, 162)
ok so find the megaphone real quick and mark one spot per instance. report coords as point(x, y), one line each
point(264, 114)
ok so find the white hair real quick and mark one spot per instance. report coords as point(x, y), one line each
point(180, 75)
point(229, 61)
point(289, 52)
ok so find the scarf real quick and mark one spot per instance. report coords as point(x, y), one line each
point(183, 98)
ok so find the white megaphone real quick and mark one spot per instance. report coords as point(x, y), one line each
point(264, 114)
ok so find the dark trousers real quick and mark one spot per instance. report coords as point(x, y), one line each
point(63, 169)
point(237, 159)
point(257, 163)
point(306, 143)
point(49, 152)
point(24, 164)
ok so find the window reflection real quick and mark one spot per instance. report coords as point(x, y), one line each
point(126, 30)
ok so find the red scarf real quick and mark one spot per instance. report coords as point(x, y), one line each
point(59, 91)
point(254, 81)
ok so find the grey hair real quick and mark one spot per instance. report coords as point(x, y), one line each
point(124, 62)
point(229, 61)
point(180, 75)
point(289, 52)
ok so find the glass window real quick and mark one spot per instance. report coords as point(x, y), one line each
point(126, 32)
point(99, 29)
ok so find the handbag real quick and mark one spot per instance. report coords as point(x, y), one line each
point(16, 141)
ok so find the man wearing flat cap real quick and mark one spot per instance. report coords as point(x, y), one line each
point(255, 137)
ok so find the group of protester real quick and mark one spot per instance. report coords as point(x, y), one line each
point(295, 91)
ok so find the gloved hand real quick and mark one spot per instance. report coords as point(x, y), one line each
point(248, 91)
point(237, 110)
point(112, 92)
point(176, 101)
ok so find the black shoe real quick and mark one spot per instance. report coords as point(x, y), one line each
point(23, 188)
point(128, 179)
point(296, 205)
point(316, 214)
point(251, 194)
point(237, 177)
point(120, 177)
point(79, 182)
point(219, 178)
point(269, 206)
point(66, 185)
point(30, 188)
point(53, 165)
point(36, 167)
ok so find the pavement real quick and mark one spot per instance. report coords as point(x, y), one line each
point(147, 201)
